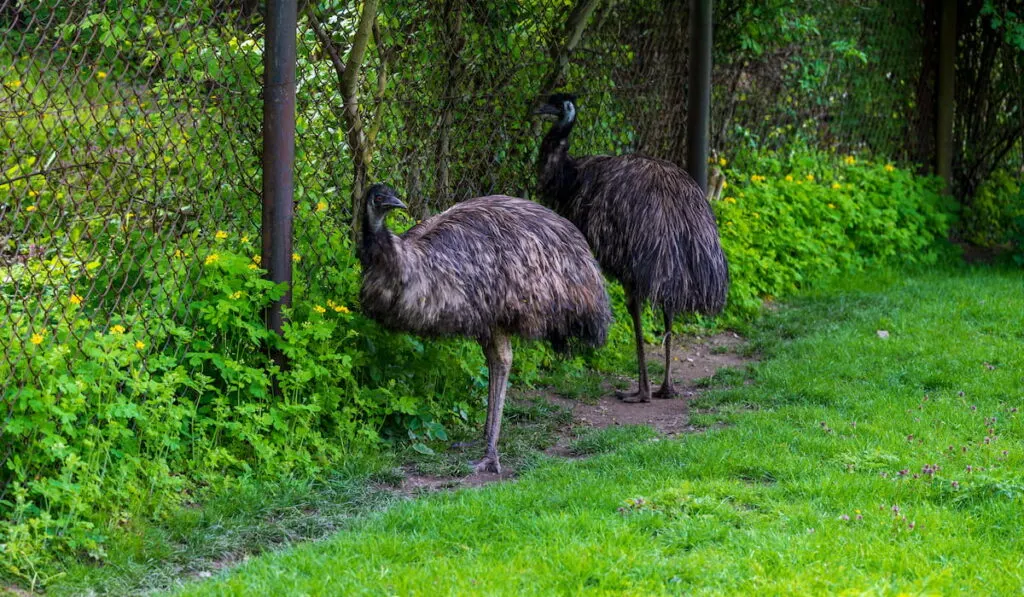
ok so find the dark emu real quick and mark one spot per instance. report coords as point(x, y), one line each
point(488, 268)
point(649, 225)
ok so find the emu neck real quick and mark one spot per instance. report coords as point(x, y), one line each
point(557, 169)
point(378, 244)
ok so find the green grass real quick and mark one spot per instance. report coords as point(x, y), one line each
point(823, 487)
point(598, 441)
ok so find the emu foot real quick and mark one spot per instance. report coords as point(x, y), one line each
point(666, 391)
point(640, 395)
point(489, 464)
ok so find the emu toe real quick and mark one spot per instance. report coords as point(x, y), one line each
point(489, 464)
point(640, 395)
point(666, 391)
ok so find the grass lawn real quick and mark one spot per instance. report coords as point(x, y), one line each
point(853, 463)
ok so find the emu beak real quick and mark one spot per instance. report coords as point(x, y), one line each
point(548, 110)
point(392, 202)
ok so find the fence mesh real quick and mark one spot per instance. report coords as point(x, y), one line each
point(132, 137)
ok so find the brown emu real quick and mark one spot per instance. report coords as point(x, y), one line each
point(487, 268)
point(649, 225)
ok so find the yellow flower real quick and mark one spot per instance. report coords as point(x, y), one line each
point(889, 167)
point(831, 205)
point(244, 239)
point(236, 295)
point(178, 254)
point(319, 309)
point(140, 344)
point(728, 223)
point(31, 208)
point(810, 177)
point(32, 192)
point(13, 84)
point(341, 309)
point(257, 259)
point(722, 162)
point(211, 258)
point(836, 185)
point(74, 299)
point(725, 184)
point(296, 257)
point(101, 75)
point(221, 235)
point(730, 200)
point(789, 178)
point(117, 329)
point(850, 160)
point(321, 205)
point(757, 178)
point(37, 338)
point(253, 266)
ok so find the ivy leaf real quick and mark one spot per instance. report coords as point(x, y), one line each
point(422, 448)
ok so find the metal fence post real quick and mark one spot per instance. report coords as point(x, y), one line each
point(945, 82)
point(279, 150)
point(698, 101)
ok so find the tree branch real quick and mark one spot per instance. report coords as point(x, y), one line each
point(359, 143)
point(562, 49)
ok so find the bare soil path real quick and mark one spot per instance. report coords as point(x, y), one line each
point(694, 359)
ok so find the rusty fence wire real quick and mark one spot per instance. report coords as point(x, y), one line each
point(131, 140)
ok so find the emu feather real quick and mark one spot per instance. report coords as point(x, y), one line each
point(647, 222)
point(487, 268)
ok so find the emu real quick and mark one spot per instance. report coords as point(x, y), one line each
point(488, 268)
point(647, 222)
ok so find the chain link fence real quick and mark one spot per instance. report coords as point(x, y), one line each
point(131, 160)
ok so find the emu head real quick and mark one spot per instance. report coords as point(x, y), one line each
point(380, 199)
point(561, 105)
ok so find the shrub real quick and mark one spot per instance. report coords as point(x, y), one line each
point(789, 220)
point(993, 216)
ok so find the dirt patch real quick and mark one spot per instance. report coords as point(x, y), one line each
point(15, 592)
point(693, 358)
point(697, 358)
point(415, 484)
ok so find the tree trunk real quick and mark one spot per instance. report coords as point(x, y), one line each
point(922, 142)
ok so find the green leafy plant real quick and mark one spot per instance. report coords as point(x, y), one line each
point(790, 219)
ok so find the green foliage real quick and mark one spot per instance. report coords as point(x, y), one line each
point(790, 219)
point(833, 75)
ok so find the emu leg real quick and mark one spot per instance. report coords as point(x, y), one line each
point(666, 390)
point(643, 391)
point(499, 363)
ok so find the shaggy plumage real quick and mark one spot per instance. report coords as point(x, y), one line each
point(648, 223)
point(487, 268)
